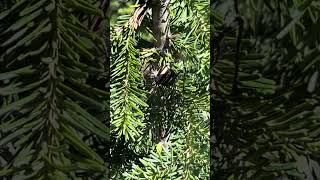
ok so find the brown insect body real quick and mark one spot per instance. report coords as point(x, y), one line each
point(164, 76)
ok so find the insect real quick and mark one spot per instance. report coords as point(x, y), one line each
point(164, 76)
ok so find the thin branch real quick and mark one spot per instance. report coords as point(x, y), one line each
point(160, 18)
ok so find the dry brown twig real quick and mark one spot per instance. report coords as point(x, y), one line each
point(138, 15)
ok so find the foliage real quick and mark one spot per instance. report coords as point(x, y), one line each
point(269, 128)
point(52, 90)
point(183, 108)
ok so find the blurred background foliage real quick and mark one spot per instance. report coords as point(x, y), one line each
point(53, 90)
point(269, 127)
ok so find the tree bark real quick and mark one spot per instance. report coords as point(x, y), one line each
point(160, 18)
